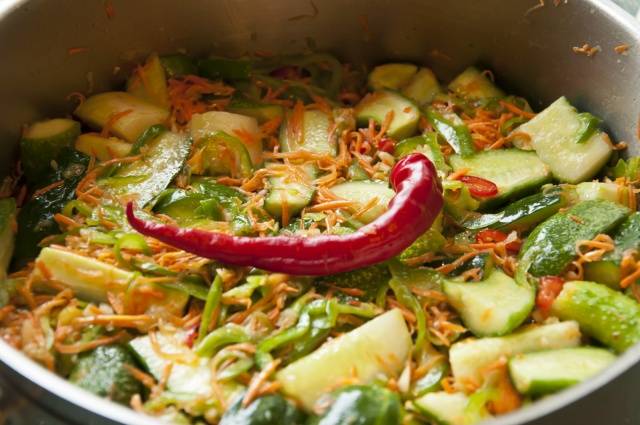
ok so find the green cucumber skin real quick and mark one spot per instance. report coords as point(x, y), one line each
point(625, 238)
point(552, 245)
point(36, 154)
point(163, 159)
point(263, 112)
point(478, 317)
point(225, 69)
point(607, 315)
point(522, 214)
point(7, 236)
point(545, 372)
point(515, 172)
point(473, 84)
point(35, 220)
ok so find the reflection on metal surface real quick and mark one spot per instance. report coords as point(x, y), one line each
point(16, 409)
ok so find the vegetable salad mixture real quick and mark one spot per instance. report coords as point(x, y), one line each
point(295, 240)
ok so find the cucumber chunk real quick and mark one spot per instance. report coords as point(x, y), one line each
point(625, 238)
point(473, 84)
point(423, 87)
point(608, 191)
point(391, 76)
point(189, 378)
point(446, 408)
point(550, 248)
point(545, 372)
point(470, 356)
point(42, 142)
point(146, 178)
point(98, 110)
point(315, 137)
point(522, 214)
point(290, 193)
point(91, 280)
point(242, 127)
point(377, 105)
point(363, 193)
point(378, 347)
point(7, 234)
point(103, 148)
point(104, 372)
point(514, 171)
point(492, 307)
point(603, 313)
point(554, 134)
point(149, 82)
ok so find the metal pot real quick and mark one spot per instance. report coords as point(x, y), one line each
point(528, 47)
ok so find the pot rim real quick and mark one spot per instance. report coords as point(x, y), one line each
point(73, 394)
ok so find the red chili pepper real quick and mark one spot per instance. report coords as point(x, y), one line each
point(548, 290)
point(479, 187)
point(386, 145)
point(492, 235)
point(410, 213)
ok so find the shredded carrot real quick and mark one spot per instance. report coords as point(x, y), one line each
point(113, 119)
point(47, 188)
point(77, 96)
point(587, 50)
point(109, 9)
point(80, 347)
point(513, 108)
point(76, 50)
point(622, 48)
point(258, 380)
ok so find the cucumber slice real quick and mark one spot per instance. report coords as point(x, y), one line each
point(445, 408)
point(316, 126)
point(190, 378)
point(364, 192)
point(603, 313)
point(243, 127)
point(42, 142)
point(391, 76)
point(146, 178)
point(588, 191)
point(91, 280)
point(473, 84)
point(103, 148)
point(423, 87)
point(522, 214)
point(545, 372)
point(149, 82)
point(287, 191)
point(514, 171)
point(377, 105)
point(470, 356)
point(7, 234)
point(216, 68)
point(358, 352)
point(262, 112)
point(100, 109)
point(554, 134)
point(492, 307)
point(550, 248)
point(625, 238)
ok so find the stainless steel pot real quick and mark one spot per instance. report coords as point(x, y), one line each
point(530, 50)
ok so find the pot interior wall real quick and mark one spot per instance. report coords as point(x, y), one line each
point(529, 49)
